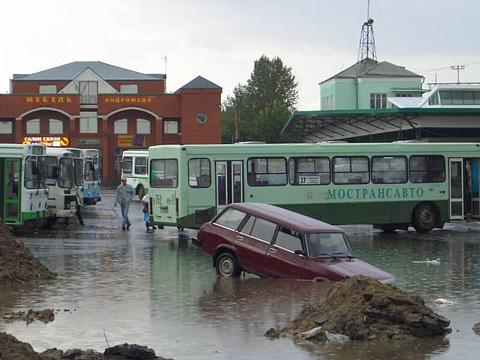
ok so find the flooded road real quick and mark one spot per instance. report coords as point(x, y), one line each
point(161, 291)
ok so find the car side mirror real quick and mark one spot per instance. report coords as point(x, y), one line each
point(299, 252)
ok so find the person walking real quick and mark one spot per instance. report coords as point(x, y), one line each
point(125, 194)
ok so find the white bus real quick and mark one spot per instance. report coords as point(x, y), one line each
point(91, 187)
point(135, 170)
point(60, 179)
point(23, 192)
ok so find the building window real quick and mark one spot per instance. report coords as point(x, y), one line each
point(129, 89)
point(460, 97)
point(33, 126)
point(143, 126)
point(170, 127)
point(88, 92)
point(120, 126)
point(55, 126)
point(6, 127)
point(47, 89)
point(378, 101)
point(88, 122)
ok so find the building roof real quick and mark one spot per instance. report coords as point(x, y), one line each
point(372, 68)
point(326, 125)
point(200, 83)
point(71, 70)
point(407, 102)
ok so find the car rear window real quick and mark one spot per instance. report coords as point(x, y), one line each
point(231, 218)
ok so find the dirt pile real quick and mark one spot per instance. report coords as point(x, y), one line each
point(17, 264)
point(13, 349)
point(45, 316)
point(364, 309)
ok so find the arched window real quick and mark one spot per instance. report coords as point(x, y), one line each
point(143, 126)
point(33, 126)
point(120, 126)
point(55, 126)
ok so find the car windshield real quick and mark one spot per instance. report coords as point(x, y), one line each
point(328, 244)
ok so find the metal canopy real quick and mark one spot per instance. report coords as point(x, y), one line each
point(315, 126)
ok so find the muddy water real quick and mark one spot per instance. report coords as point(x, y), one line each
point(161, 291)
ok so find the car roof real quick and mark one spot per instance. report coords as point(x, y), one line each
point(285, 217)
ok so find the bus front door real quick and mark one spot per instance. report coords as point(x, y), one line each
point(11, 191)
point(456, 189)
point(229, 182)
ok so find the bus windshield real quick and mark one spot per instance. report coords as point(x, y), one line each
point(66, 173)
point(78, 171)
point(328, 244)
point(34, 174)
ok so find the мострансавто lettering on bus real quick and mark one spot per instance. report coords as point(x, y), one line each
point(378, 193)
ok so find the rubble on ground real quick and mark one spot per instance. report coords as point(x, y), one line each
point(45, 316)
point(17, 264)
point(361, 308)
point(13, 349)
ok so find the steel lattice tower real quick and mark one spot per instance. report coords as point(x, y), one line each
point(366, 47)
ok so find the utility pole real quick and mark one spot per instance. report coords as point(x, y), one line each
point(458, 68)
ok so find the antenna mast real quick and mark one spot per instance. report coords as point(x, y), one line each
point(366, 47)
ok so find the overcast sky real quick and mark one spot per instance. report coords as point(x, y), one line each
point(220, 39)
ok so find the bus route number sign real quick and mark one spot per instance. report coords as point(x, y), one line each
point(309, 180)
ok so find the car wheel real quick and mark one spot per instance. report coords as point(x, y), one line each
point(140, 192)
point(424, 217)
point(227, 265)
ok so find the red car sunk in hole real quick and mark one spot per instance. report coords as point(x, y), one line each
point(274, 242)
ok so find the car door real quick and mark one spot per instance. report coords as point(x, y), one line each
point(281, 257)
point(252, 242)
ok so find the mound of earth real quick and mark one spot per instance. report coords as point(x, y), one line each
point(45, 316)
point(364, 309)
point(17, 264)
point(13, 349)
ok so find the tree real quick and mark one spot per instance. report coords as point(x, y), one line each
point(259, 109)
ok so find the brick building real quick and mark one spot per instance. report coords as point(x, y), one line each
point(96, 105)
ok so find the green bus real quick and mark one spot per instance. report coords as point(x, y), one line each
point(389, 185)
point(23, 191)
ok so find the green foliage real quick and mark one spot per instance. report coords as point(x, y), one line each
point(262, 106)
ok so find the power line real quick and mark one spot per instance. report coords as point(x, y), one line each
point(447, 67)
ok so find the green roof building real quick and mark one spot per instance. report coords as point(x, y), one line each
point(367, 84)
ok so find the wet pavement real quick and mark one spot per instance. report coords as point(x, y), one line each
point(161, 291)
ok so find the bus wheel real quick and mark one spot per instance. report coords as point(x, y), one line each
point(424, 217)
point(227, 266)
point(140, 192)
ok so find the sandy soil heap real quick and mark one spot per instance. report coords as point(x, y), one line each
point(17, 264)
point(13, 349)
point(364, 309)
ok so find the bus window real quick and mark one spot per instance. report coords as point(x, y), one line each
point(164, 173)
point(267, 171)
point(140, 166)
point(32, 173)
point(389, 169)
point(309, 170)
point(199, 173)
point(350, 170)
point(427, 169)
point(127, 165)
